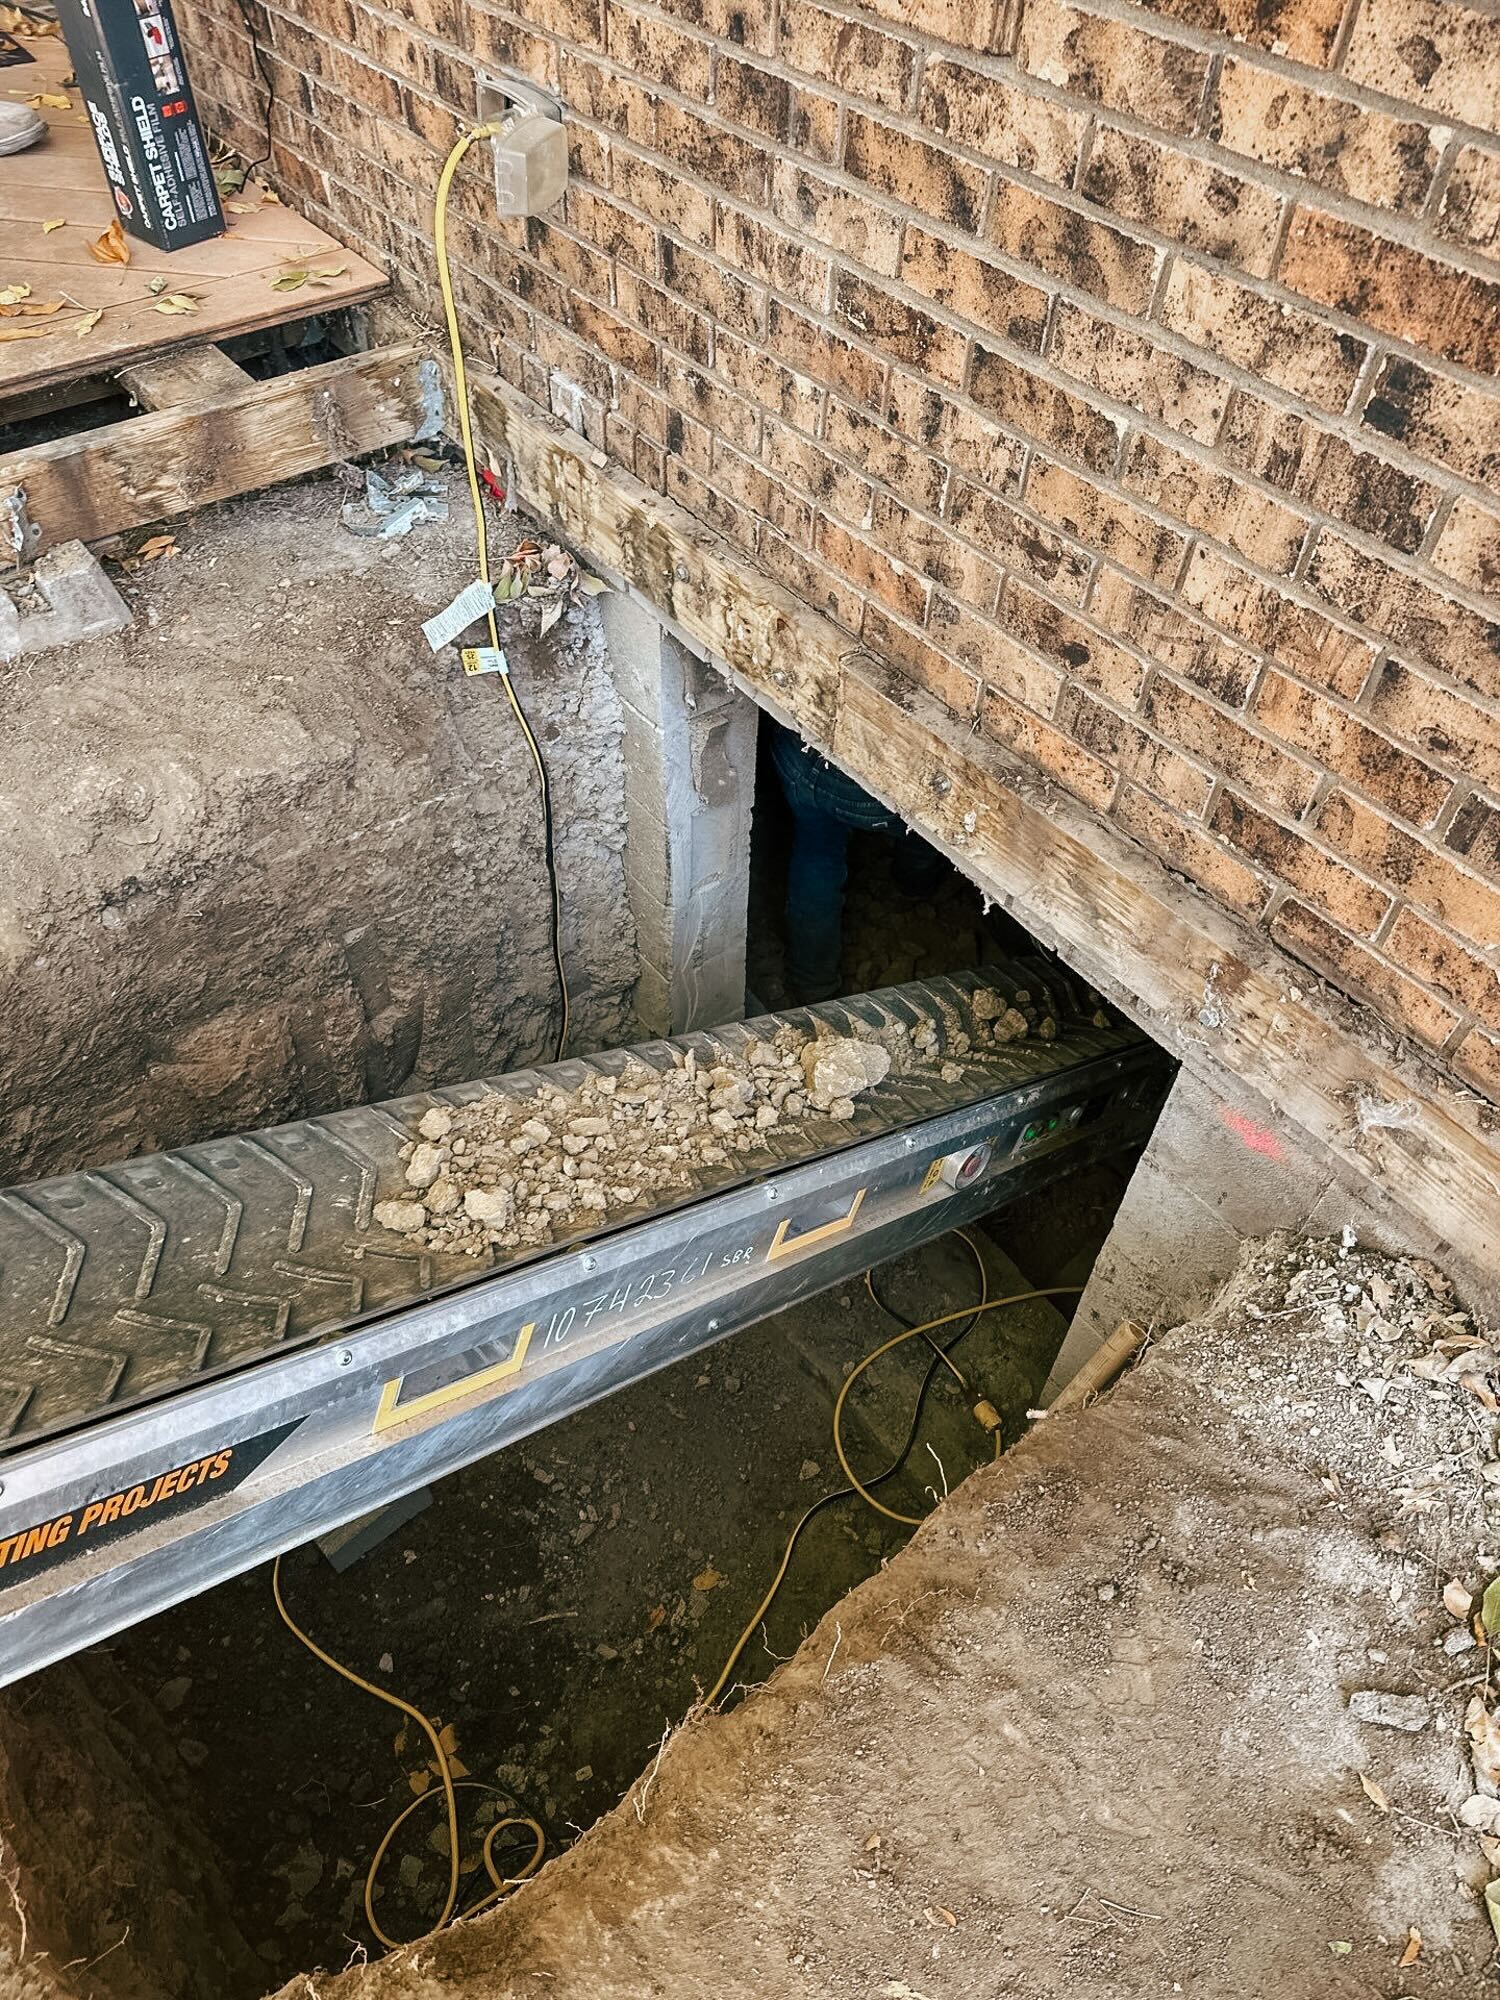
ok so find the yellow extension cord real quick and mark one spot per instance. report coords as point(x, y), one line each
point(481, 531)
point(448, 1789)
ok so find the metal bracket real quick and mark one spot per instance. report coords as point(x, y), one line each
point(20, 532)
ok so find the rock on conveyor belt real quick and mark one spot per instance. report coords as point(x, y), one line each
point(507, 1173)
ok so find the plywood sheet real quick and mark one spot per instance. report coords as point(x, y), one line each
point(231, 279)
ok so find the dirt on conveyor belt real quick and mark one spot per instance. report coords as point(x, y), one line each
point(1186, 1694)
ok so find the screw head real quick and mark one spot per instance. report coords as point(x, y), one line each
point(590, 1262)
point(346, 1356)
point(713, 1326)
point(772, 1195)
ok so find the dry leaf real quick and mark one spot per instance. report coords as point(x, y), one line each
point(708, 1579)
point(11, 295)
point(40, 308)
point(289, 281)
point(56, 222)
point(1492, 1905)
point(156, 286)
point(177, 302)
point(940, 1916)
point(155, 547)
point(1483, 1731)
point(1374, 1793)
point(89, 321)
point(655, 1616)
point(448, 1738)
point(1457, 1601)
point(23, 332)
point(328, 271)
point(55, 100)
point(242, 207)
point(111, 247)
point(1413, 1949)
point(419, 1780)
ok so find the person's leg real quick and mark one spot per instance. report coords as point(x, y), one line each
point(816, 874)
point(917, 870)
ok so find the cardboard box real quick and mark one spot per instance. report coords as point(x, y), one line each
point(133, 79)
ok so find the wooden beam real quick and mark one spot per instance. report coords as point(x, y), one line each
point(192, 375)
point(167, 462)
point(1210, 988)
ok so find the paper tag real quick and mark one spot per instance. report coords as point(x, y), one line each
point(484, 660)
point(471, 602)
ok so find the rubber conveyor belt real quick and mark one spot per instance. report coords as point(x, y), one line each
point(210, 1354)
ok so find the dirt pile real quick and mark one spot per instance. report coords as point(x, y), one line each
point(1185, 1694)
point(508, 1172)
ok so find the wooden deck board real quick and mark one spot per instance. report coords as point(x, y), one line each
point(231, 278)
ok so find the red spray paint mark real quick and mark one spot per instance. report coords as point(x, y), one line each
point(1256, 1137)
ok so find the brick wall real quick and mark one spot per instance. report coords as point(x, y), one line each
point(1125, 373)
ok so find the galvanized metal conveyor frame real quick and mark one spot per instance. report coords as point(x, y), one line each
point(270, 1429)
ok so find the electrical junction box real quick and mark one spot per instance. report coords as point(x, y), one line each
point(530, 150)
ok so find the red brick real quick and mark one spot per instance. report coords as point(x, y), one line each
point(997, 658)
point(1079, 649)
point(1436, 53)
point(816, 126)
point(668, 199)
point(1408, 865)
point(699, 147)
point(1355, 970)
point(655, 313)
point(1347, 747)
point(962, 435)
point(1474, 832)
point(1113, 62)
point(834, 487)
point(1307, 131)
point(969, 24)
point(1439, 960)
point(767, 255)
point(881, 319)
point(1420, 299)
point(1206, 732)
point(728, 20)
point(1453, 423)
point(1421, 623)
point(973, 289)
point(863, 60)
point(725, 298)
point(590, 90)
point(1468, 549)
point(954, 686)
point(1477, 1056)
point(1018, 543)
point(1305, 30)
point(1294, 454)
point(812, 581)
point(804, 345)
point(1133, 751)
point(1073, 247)
point(1260, 528)
point(1040, 743)
point(894, 163)
point(847, 221)
point(1184, 645)
point(1470, 209)
point(652, 48)
point(900, 589)
point(1276, 342)
point(935, 552)
point(1180, 196)
point(749, 95)
point(1304, 641)
point(1133, 369)
point(886, 456)
point(690, 390)
point(1354, 904)
point(1450, 729)
point(991, 115)
point(1104, 520)
point(1038, 409)
point(612, 229)
point(760, 378)
point(1190, 852)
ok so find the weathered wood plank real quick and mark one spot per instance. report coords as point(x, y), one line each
point(1213, 990)
point(191, 375)
point(166, 462)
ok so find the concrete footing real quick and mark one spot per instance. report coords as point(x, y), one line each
point(78, 602)
point(1215, 1174)
point(689, 791)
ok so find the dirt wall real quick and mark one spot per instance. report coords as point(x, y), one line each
point(264, 854)
point(1122, 373)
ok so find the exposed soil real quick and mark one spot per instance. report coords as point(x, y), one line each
point(267, 855)
point(1116, 1722)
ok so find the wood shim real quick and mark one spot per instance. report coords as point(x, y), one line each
point(237, 439)
point(1215, 992)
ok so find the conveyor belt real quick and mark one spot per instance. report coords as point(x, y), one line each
point(213, 1353)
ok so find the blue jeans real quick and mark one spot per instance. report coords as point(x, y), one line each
point(826, 807)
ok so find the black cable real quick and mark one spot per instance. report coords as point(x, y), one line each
point(265, 78)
